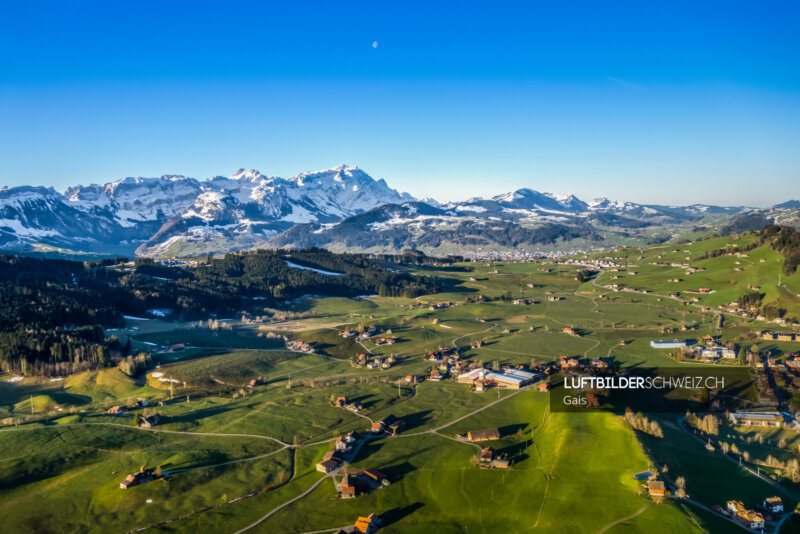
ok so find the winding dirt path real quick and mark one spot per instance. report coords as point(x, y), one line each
point(285, 504)
point(637, 513)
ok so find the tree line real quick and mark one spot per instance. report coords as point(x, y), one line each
point(53, 313)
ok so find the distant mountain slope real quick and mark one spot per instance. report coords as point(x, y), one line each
point(179, 214)
point(338, 208)
point(525, 219)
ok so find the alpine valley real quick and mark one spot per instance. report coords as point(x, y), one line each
point(339, 209)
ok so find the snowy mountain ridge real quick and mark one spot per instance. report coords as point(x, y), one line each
point(178, 215)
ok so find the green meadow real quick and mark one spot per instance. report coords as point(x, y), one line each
point(219, 440)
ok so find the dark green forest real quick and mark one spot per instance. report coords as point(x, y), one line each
point(53, 312)
point(785, 240)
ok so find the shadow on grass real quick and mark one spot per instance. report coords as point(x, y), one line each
point(415, 420)
point(194, 417)
point(367, 401)
point(396, 514)
point(509, 430)
point(398, 471)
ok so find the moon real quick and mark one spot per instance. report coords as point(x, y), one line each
point(374, 44)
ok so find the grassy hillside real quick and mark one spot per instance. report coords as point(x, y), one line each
point(570, 472)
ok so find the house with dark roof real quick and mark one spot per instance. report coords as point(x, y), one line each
point(326, 466)
point(773, 505)
point(375, 475)
point(149, 421)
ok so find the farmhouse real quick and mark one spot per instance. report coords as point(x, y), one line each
point(392, 425)
point(367, 525)
point(568, 363)
point(773, 505)
point(344, 443)
point(326, 466)
point(358, 481)
point(140, 477)
point(347, 488)
point(746, 517)
point(770, 419)
point(714, 353)
point(571, 332)
point(299, 346)
point(149, 422)
point(118, 410)
point(656, 489)
point(355, 406)
point(488, 434)
point(376, 475)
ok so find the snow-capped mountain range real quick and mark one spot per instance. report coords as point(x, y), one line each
point(341, 207)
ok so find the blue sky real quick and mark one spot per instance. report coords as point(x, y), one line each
point(664, 102)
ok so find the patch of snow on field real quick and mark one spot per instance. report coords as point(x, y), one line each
point(132, 318)
point(320, 271)
point(15, 379)
point(476, 209)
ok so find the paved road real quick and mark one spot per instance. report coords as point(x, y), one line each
point(154, 430)
point(723, 516)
